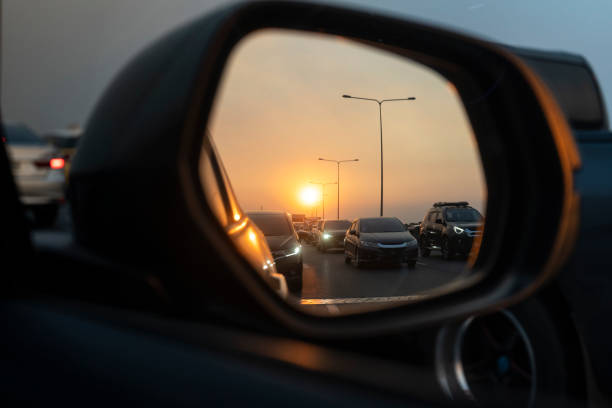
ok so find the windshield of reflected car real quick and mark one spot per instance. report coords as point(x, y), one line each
point(272, 224)
point(381, 225)
point(463, 215)
point(337, 225)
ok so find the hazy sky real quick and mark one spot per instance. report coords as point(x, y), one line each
point(280, 108)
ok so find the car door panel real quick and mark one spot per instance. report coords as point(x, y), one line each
point(101, 357)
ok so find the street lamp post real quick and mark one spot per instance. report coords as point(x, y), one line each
point(380, 102)
point(323, 193)
point(338, 162)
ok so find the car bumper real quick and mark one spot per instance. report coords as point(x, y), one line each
point(387, 255)
point(461, 244)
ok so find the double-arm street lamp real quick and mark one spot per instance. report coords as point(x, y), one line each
point(323, 193)
point(380, 102)
point(338, 162)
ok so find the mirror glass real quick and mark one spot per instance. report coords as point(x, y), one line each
point(346, 173)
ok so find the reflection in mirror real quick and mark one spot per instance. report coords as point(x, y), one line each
point(357, 165)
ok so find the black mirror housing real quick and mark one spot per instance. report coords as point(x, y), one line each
point(144, 139)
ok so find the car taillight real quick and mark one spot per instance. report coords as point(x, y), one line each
point(57, 163)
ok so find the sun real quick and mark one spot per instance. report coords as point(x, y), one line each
point(309, 195)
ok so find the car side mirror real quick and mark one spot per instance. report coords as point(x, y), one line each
point(527, 152)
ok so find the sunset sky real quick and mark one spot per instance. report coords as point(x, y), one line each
point(280, 108)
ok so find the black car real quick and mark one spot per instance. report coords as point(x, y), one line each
point(379, 240)
point(284, 245)
point(333, 233)
point(451, 228)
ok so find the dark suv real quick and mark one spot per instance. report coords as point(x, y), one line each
point(449, 227)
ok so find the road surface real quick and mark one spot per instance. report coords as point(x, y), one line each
point(328, 280)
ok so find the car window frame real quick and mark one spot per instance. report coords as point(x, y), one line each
point(217, 177)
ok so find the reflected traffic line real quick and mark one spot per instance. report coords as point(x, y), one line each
point(375, 299)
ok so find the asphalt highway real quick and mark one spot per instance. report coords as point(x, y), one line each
point(329, 283)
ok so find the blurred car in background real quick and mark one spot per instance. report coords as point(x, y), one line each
point(38, 169)
point(65, 141)
point(332, 234)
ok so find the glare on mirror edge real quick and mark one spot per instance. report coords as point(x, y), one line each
point(296, 138)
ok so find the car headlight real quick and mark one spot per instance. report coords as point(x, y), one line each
point(369, 244)
point(326, 236)
point(282, 253)
point(458, 230)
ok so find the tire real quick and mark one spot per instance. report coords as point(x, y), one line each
point(447, 253)
point(45, 216)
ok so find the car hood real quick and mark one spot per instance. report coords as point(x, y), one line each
point(470, 225)
point(387, 237)
point(276, 242)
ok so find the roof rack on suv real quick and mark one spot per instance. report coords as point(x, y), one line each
point(449, 204)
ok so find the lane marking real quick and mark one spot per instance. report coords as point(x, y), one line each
point(377, 299)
